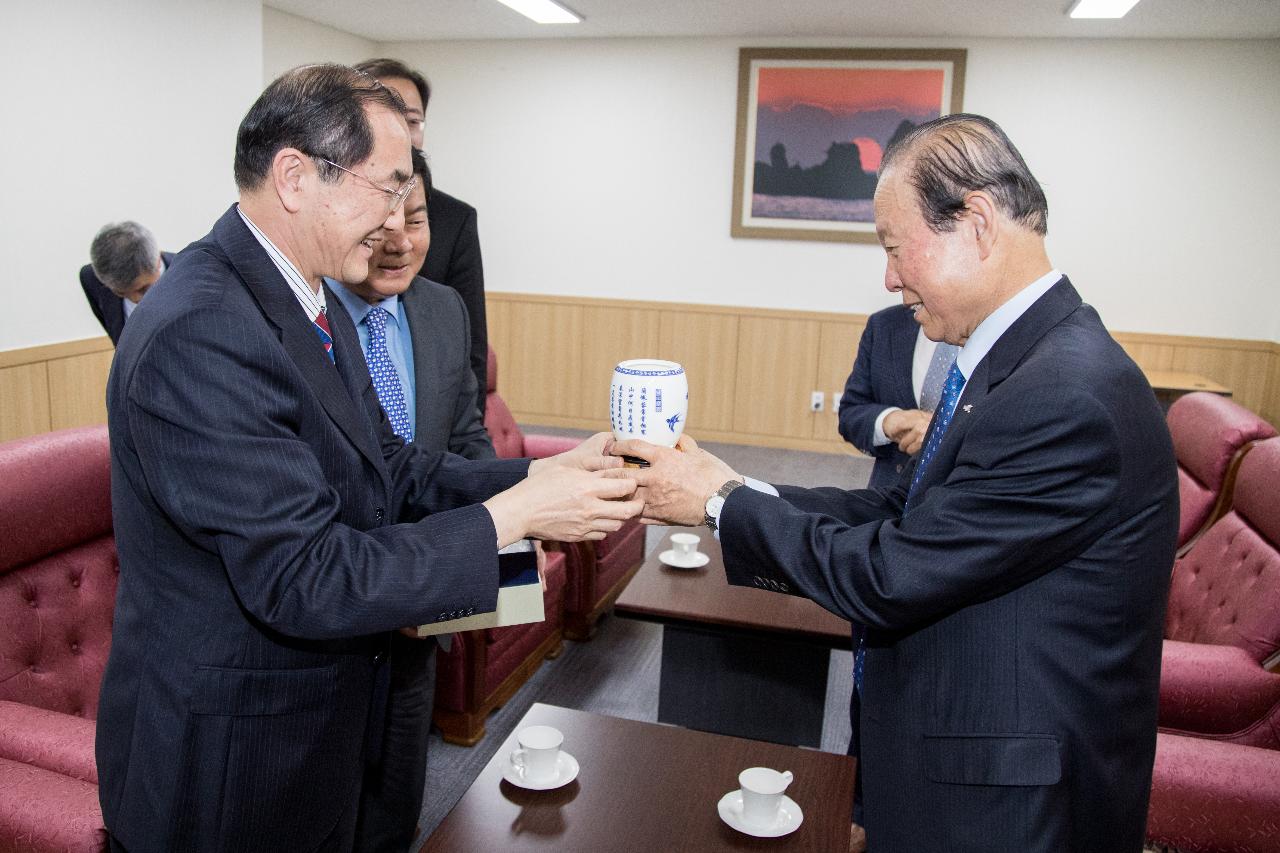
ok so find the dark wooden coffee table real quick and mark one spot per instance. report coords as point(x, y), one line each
point(643, 787)
point(735, 660)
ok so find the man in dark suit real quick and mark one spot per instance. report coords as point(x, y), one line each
point(124, 264)
point(272, 529)
point(454, 256)
point(891, 392)
point(1013, 584)
point(415, 338)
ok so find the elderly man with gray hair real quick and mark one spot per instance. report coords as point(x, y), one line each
point(124, 263)
point(1011, 580)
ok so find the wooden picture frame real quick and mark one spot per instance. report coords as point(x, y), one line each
point(812, 126)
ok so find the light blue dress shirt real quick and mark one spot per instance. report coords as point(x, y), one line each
point(399, 339)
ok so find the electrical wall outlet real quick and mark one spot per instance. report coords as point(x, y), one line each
point(816, 401)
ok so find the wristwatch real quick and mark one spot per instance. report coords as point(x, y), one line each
point(715, 503)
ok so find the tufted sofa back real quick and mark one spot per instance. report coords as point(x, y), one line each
point(58, 569)
point(1226, 589)
point(1208, 432)
point(508, 441)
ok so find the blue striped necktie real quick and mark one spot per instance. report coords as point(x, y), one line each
point(386, 379)
point(942, 419)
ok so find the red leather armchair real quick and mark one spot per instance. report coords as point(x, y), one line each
point(598, 571)
point(1211, 435)
point(58, 572)
point(1212, 797)
point(1223, 622)
point(485, 668)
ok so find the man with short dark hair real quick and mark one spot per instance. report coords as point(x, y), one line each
point(454, 257)
point(1012, 580)
point(272, 529)
point(124, 263)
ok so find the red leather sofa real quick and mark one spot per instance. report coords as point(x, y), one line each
point(485, 668)
point(1214, 797)
point(58, 573)
point(1211, 435)
point(1222, 628)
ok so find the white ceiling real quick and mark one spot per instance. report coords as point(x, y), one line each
point(423, 20)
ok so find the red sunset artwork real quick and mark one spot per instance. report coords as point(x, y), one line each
point(821, 132)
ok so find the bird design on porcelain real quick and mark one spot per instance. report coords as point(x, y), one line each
point(673, 420)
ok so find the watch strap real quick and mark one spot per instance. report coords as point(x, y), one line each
point(708, 519)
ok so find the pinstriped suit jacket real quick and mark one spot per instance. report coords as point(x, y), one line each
point(271, 531)
point(1015, 613)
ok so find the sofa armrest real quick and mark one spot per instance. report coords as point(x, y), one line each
point(48, 739)
point(1214, 690)
point(542, 446)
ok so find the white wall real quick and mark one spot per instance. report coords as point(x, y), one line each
point(121, 110)
point(289, 41)
point(605, 168)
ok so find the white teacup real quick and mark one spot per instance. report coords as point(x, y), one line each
point(537, 758)
point(762, 794)
point(684, 547)
point(649, 400)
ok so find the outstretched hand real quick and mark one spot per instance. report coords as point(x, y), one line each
point(565, 504)
point(678, 481)
point(590, 455)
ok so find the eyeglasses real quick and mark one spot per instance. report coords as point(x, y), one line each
point(395, 198)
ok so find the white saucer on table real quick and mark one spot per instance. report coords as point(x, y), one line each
point(788, 820)
point(566, 772)
point(669, 558)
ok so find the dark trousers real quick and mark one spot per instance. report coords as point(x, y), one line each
point(394, 780)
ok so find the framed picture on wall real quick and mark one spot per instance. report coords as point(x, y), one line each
point(813, 125)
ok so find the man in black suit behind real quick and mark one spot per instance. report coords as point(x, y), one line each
point(124, 264)
point(272, 529)
point(1013, 581)
point(454, 256)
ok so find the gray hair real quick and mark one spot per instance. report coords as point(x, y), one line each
point(954, 155)
point(120, 253)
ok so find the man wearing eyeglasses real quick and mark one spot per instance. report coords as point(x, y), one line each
point(272, 529)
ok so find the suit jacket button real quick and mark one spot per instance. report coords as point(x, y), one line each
point(377, 514)
point(898, 468)
point(470, 610)
point(783, 586)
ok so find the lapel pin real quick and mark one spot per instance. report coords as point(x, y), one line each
point(968, 407)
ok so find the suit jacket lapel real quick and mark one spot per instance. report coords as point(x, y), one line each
point(297, 334)
point(1045, 313)
point(425, 373)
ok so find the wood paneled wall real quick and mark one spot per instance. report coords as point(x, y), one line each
point(54, 387)
point(751, 370)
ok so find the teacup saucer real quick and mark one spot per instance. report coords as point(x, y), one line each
point(566, 772)
point(789, 816)
point(669, 558)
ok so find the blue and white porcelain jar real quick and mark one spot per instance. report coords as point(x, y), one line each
point(648, 400)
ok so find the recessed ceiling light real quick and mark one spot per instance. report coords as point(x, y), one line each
point(1096, 8)
point(546, 11)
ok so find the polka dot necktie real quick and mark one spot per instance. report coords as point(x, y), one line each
point(946, 409)
point(386, 379)
point(944, 355)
